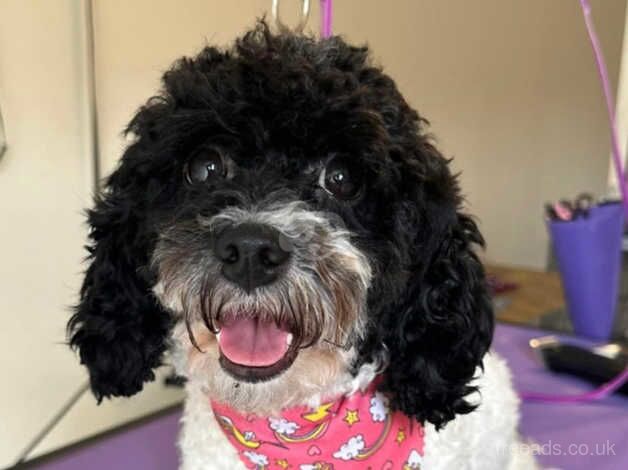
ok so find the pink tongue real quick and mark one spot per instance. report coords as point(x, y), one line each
point(253, 343)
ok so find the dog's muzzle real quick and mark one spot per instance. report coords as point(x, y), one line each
point(268, 281)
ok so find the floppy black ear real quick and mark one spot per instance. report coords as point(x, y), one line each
point(442, 326)
point(118, 326)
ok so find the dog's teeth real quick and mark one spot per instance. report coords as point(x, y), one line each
point(289, 339)
point(218, 335)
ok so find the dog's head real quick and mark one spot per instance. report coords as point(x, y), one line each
point(283, 222)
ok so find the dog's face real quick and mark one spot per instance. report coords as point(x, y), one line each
point(282, 218)
point(267, 283)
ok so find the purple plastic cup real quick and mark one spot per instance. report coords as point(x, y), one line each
point(588, 251)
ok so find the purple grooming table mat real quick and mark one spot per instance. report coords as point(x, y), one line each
point(569, 437)
point(147, 446)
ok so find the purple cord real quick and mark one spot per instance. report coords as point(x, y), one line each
point(597, 394)
point(609, 387)
point(326, 16)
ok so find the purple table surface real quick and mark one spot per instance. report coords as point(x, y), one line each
point(147, 446)
point(590, 435)
point(569, 437)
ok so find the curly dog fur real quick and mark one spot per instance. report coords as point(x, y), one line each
point(280, 106)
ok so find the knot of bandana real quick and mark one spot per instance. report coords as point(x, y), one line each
point(355, 431)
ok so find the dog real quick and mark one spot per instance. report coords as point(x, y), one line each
point(283, 226)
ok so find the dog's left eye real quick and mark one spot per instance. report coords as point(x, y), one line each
point(341, 179)
point(205, 165)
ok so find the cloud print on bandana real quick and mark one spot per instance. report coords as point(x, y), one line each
point(351, 449)
point(414, 460)
point(255, 458)
point(283, 426)
point(379, 407)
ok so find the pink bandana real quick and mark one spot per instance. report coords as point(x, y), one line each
point(357, 431)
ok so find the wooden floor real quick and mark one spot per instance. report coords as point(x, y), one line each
point(537, 294)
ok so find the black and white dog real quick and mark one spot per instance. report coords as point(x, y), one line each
point(283, 225)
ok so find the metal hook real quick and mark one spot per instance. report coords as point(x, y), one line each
point(305, 13)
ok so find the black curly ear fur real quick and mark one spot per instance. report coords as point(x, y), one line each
point(440, 329)
point(118, 327)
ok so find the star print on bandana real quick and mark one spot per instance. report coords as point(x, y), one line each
point(357, 431)
point(351, 417)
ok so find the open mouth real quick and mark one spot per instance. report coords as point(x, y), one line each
point(254, 349)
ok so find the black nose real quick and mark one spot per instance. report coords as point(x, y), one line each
point(252, 255)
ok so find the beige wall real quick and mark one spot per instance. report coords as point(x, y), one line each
point(44, 182)
point(509, 86)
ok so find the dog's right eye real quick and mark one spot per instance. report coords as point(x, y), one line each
point(205, 165)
